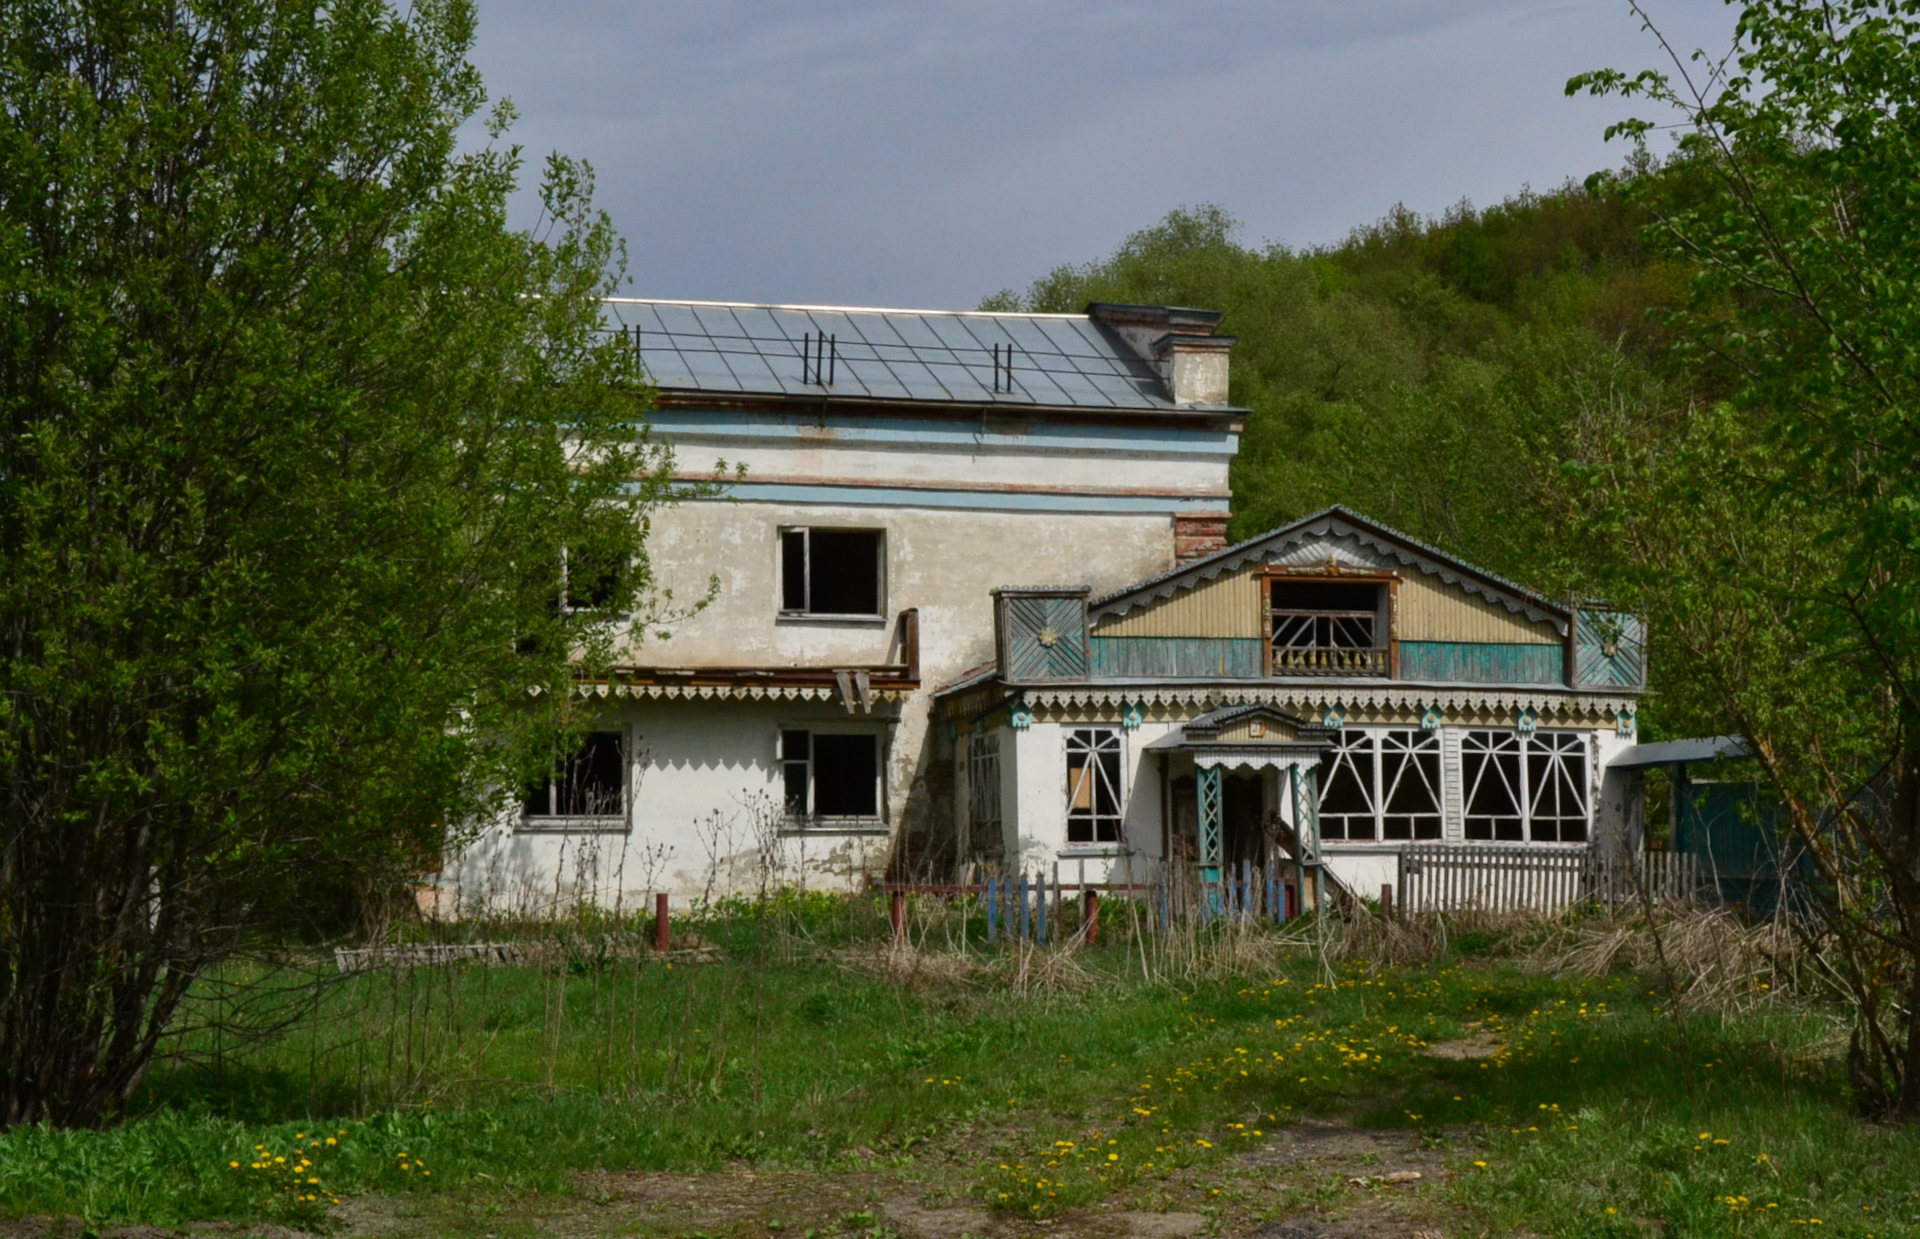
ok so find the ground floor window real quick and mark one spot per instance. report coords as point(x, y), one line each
point(1381, 785)
point(829, 775)
point(1525, 787)
point(1093, 785)
point(588, 783)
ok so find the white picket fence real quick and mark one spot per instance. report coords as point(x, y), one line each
point(1530, 878)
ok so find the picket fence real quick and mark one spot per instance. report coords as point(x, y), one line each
point(1530, 878)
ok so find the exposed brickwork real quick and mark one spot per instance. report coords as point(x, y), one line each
point(1198, 534)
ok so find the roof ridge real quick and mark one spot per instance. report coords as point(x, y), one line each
point(837, 309)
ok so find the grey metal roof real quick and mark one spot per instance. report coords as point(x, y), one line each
point(1059, 360)
point(1678, 753)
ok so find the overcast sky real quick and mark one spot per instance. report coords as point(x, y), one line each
point(901, 153)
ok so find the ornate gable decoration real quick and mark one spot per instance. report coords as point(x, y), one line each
point(1256, 723)
point(1344, 541)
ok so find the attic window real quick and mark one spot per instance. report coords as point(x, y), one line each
point(1327, 627)
point(832, 572)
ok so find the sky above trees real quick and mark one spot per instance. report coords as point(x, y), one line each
point(897, 152)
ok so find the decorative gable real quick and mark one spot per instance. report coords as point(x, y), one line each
point(1041, 632)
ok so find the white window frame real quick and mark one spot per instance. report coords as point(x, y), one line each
point(1106, 741)
point(577, 823)
point(806, 613)
point(1539, 761)
point(810, 820)
point(1371, 744)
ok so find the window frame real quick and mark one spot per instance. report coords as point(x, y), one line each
point(805, 614)
point(1104, 742)
point(985, 832)
point(1549, 749)
point(549, 823)
point(1373, 742)
point(810, 821)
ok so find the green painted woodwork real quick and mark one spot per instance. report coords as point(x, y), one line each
point(1482, 662)
point(1045, 637)
point(1609, 650)
point(1207, 785)
point(1234, 658)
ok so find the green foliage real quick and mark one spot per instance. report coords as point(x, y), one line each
point(1426, 372)
point(1777, 538)
point(293, 433)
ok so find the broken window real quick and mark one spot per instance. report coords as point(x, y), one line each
point(983, 792)
point(832, 571)
point(1093, 785)
point(830, 775)
point(1381, 785)
point(590, 783)
point(1525, 787)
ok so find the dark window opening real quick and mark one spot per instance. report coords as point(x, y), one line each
point(831, 571)
point(830, 775)
point(1346, 788)
point(589, 783)
point(1525, 787)
point(594, 579)
point(1325, 628)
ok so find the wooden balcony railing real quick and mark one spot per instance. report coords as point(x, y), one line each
point(1326, 643)
point(1292, 660)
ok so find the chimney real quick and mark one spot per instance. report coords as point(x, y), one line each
point(1197, 535)
point(1179, 343)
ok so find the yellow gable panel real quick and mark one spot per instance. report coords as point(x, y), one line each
point(1227, 606)
point(1432, 610)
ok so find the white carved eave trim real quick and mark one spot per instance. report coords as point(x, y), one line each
point(1213, 697)
point(1252, 757)
point(726, 692)
point(1273, 550)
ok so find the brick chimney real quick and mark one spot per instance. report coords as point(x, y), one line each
point(1177, 341)
point(1197, 535)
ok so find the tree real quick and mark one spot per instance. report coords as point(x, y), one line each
point(1776, 537)
point(297, 437)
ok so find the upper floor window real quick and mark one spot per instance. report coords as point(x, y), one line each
point(1523, 787)
point(833, 572)
point(1381, 785)
point(1093, 785)
point(830, 775)
point(589, 783)
point(1327, 627)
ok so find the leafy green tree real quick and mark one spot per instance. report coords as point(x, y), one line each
point(295, 436)
point(1777, 536)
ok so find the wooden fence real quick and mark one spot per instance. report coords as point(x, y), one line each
point(1531, 878)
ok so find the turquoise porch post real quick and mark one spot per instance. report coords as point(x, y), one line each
point(1206, 781)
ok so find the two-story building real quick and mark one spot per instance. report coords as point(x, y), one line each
point(900, 465)
point(892, 677)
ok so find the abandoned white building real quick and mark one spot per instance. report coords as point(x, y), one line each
point(892, 676)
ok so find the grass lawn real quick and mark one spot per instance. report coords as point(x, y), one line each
point(1465, 1096)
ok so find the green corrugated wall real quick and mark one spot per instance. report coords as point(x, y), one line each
point(1476, 663)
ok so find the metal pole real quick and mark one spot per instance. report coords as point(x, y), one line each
point(661, 926)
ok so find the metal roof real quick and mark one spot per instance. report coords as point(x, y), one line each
point(1058, 360)
point(1679, 753)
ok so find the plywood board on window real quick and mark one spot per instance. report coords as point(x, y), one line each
point(1227, 606)
point(1432, 610)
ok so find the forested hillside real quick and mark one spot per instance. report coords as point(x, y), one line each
point(1433, 373)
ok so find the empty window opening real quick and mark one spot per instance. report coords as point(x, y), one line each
point(592, 579)
point(1326, 627)
point(830, 774)
point(831, 571)
point(1525, 788)
point(590, 782)
point(1381, 785)
point(1093, 785)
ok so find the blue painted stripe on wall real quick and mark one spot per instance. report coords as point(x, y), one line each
point(727, 424)
point(1464, 662)
point(1227, 657)
point(978, 500)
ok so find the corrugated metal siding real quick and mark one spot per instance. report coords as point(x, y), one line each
point(1432, 610)
point(1482, 662)
point(1229, 606)
point(1229, 657)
